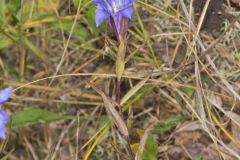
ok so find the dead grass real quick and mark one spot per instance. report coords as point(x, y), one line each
point(193, 73)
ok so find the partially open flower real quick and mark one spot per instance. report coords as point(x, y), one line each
point(117, 13)
point(4, 117)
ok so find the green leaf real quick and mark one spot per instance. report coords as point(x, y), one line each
point(8, 11)
point(179, 98)
point(151, 149)
point(4, 42)
point(13, 7)
point(137, 97)
point(40, 9)
point(197, 157)
point(187, 90)
point(2, 10)
point(169, 123)
point(79, 32)
point(76, 3)
point(35, 50)
point(83, 2)
point(6, 156)
point(33, 116)
point(133, 90)
point(90, 14)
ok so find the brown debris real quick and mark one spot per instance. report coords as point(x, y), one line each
point(190, 142)
point(214, 17)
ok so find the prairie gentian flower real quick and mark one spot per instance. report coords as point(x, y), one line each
point(116, 12)
point(4, 117)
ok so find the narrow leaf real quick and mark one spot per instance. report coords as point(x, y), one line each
point(148, 147)
point(89, 151)
point(133, 90)
point(6, 156)
point(4, 41)
point(169, 123)
point(35, 50)
point(33, 116)
point(79, 31)
point(2, 10)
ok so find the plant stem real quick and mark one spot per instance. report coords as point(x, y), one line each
point(129, 148)
point(118, 90)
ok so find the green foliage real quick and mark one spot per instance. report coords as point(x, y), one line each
point(76, 2)
point(15, 14)
point(186, 90)
point(79, 31)
point(9, 11)
point(4, 42)
point(103, 120)
point(14, 6)
point(90, 14)
point(150, 149)
point(33, 116)
point(133, 91)
point(2, 10)
point(39, 9)
point(138, 96)
point(6, 156)
point(83, 2)
point(197, 157)
point(169, 123)
point(35, 50)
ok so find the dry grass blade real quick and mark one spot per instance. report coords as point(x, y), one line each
point(182, 67)
point(224, 81)
point(112, 112)
point(199, 100)
point(199, 41)
point(52, 155)
point(67, 44)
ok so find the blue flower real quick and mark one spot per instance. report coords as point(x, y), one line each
point(4, 117)
point(3, 120)
point(5, 94)
point(117, 11)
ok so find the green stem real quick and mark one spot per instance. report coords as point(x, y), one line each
point(120, 62)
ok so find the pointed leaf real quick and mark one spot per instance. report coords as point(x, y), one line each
point(4, 41)
point(33, 116)
point(2, 11)
point(133, 90)
point(35, 50)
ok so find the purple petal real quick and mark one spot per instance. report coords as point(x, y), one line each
point(4, 117)
point(101, 15)
point(3, 120)
point(101, 4)
point(2, 131)
point(96, 2)
point(124, 2)
point(115, 3)
point(117, 19)
point(128, 12)
point(5, 94)
point(120, 3)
